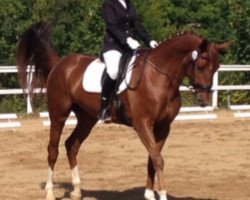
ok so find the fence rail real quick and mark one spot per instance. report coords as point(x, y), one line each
point(216, 87)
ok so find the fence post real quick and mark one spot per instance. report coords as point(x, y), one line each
point(29, 106)
point(215, 92)
point(29, 81)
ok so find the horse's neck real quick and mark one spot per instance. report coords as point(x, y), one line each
point(171, 57)
point(170, 63)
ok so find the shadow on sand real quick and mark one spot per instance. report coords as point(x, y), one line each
point(131, 194)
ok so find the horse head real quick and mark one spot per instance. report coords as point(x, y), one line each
point(204, 62)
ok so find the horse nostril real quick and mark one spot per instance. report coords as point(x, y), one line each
point(201, 102)
point(203, 105)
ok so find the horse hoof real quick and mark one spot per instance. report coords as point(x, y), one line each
point(150, 198)
point(50, 195)
point(149, 195)
point(75, 196)
point(163, 195)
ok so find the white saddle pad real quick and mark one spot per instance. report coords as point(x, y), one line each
point(93, 74)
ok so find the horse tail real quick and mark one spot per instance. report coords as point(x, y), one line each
point(35, 56)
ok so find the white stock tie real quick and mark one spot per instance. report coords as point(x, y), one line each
point(123, 3)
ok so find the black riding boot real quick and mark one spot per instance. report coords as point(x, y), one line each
point(107, 89)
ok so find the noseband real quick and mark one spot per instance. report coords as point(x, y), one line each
point(197, 86)
point(201, 88)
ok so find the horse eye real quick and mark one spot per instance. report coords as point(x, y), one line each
point(201, 65)
point(200, 68)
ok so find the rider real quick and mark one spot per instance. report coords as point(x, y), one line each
point(121, 22)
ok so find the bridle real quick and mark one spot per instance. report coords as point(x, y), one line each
point(193, 86)
point(197, 86)
point(201, 88)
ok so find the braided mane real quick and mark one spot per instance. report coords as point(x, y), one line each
point(180, 34)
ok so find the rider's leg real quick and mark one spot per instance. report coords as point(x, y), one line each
point(112, 60)
point(107, 89)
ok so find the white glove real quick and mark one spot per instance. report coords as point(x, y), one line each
point(153, 44)
point(133, 44)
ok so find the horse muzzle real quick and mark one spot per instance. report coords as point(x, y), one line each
point(203, 94)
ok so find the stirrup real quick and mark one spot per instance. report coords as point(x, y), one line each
point(104, 115)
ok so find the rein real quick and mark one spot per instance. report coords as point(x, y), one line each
point(192, 86)
point(141, 72)
point(156, 68)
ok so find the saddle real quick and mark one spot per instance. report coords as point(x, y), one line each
point(96, 72)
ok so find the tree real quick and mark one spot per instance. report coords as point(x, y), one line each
point(78, 27)
point(14, 18)
point(240, 23)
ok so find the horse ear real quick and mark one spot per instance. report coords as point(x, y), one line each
point(204, 45)
point(222, 47)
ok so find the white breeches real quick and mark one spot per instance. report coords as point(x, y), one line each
point(112, 59)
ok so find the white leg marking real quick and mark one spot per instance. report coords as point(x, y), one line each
point(50, 195)
point(163, 195)
point(49, 186)
point(75, 176)
point(76, 181)
point(149, 194)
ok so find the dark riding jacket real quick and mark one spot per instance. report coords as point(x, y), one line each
point(121, 23)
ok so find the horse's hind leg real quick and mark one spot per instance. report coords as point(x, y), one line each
point(84, 125)
point(57, 124)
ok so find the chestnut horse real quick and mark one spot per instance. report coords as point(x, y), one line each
point(152, 105)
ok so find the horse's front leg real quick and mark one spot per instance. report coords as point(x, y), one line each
point(154, 142)
point(149, 191)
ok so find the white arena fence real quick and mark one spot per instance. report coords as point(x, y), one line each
point(241, 111)
point(9, 120)
point(186, 113)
